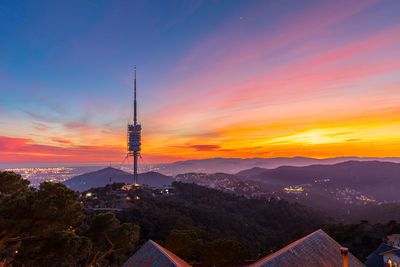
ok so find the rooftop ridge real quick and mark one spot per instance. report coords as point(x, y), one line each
point(174, 258)
point(270, 256)
point(153, 254)
point(314, 249)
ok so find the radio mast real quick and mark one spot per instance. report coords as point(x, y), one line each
point(134, 137)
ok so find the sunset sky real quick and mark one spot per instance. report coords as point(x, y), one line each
point(267, 78)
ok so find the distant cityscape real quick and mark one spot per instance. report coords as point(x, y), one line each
point(230, 183)
point(221, 181)
point(36, 175)
point(53, 174)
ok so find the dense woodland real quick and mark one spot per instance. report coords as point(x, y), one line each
point(44, 227)
point(49, 226)
point(362, 238)
point(375, 213)
point(261, 226)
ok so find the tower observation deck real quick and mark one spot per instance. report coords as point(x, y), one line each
point(134, 137)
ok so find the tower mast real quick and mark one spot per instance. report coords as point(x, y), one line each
point(134, 136)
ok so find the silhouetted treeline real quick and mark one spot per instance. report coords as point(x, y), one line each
point(49, 227)
point(260, 225)
point(44, 227)
point(362, 238)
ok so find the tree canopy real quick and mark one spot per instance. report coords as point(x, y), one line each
point(109, 237)
point(261, 226)
point(223, 252)
point(187, 244)
point(11, 182)
point(362, 238)
point(44, 227)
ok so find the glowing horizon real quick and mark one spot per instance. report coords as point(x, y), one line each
point(230, 79)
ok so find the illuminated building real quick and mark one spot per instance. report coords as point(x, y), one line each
point(387, 254)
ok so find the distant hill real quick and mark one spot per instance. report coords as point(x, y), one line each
point(111, 175)
point(234, 165)
point(379, 179)
point(252, 172)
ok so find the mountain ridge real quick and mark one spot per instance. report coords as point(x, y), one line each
point(109, 175)
point(376, 178)
point(235, 165)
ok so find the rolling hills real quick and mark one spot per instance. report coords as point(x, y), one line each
point(234, 165)
point(111, 175)
point(379, 179)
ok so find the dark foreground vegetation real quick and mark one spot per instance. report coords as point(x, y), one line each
point(261, 226)
point(48, 226)
point(44, 227)
point(362, 238)
point(54, 226)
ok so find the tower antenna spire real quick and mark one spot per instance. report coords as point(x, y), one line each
point(134, 102)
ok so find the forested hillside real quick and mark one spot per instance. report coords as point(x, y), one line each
point(260, 225)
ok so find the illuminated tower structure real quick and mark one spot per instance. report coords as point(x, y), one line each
point(134, 137)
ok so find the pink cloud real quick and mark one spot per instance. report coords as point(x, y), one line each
point(22, 149)
point(80, 125)
point(60, 140)
point(40, 126)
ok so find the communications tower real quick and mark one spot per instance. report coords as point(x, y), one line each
point(134, 137)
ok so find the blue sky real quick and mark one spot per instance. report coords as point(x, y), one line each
point(204, 69)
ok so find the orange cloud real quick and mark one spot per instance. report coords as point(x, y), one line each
point(205, 147)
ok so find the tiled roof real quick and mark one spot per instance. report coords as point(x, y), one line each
point(316, 249)
point(152, 254)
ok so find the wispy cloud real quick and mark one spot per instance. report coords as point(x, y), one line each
point(40, 126)
point(21, 150)
point(60, 140)
point(205, 147)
